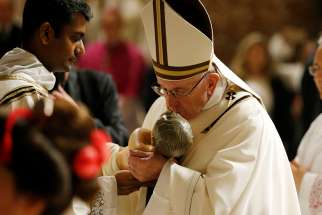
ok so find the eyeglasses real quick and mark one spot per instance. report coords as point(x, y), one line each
point(176, 93)
point(313, 69)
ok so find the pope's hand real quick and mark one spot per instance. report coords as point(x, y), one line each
point(139, 139)
point(146, 166)
point(126, 183)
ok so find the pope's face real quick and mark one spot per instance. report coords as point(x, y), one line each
point(191, 105)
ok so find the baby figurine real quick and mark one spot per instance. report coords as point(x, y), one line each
point(171, 136)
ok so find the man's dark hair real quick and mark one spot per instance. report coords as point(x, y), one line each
point(57, 12)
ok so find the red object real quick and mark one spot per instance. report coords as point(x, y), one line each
point(90, 159)
point(6, 146)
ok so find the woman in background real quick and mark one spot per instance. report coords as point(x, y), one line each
point(254, 64)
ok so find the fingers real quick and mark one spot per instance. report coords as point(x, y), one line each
point(126, 190)
point(146, 148)
point(125, 178)
point(141, 139)
point(60, 93)
point(56, 94)
point(145, 166)
point(140, 154)
point(126, 183)
point(135, 167)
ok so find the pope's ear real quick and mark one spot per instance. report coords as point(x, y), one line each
point(213, 78)
point(46, 33)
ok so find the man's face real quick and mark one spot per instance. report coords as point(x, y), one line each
point(65, 49)
point(188, 106)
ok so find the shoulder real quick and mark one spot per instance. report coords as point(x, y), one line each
point(245, 111)
point(248, 112)
point(13, 88)
point(243, 106)
point(24, 96)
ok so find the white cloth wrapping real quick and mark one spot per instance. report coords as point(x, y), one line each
point(23, 79)
point(310, 155)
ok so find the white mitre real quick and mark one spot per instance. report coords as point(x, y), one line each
point(180, 40)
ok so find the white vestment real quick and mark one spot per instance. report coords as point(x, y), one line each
point(237, 165)
point(23, 79)
point(105, 201)
point(310, 155)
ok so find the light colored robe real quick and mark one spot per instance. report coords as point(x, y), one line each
point(104, 203)
point(238, 167)
point(23, 79)
point(310, 155)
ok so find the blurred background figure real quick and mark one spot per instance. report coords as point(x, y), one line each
point(254, 64)
point(48, 156)
point(312, 104)
point(10, 32)
point(290, 48)
point(123, 60)
point(306, 167)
